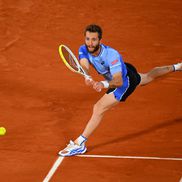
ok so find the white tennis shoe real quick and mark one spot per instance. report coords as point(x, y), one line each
point(178, 67)
point(73, 149)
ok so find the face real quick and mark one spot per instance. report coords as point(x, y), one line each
point(92, 42)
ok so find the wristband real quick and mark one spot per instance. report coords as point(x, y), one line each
point(105, 83)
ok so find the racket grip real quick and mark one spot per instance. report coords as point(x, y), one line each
point(87, 77)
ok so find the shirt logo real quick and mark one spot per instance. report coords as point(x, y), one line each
point(114, 62)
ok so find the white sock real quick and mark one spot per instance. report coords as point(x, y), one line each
point(177, 66)
point(81, 140)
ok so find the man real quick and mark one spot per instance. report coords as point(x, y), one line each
point(121, 79)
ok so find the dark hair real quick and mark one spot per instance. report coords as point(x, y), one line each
point(94, 28)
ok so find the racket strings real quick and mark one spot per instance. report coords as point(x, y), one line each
point(70, 60)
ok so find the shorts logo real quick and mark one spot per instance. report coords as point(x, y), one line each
point(114, 62)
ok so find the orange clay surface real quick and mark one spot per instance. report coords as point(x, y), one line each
point(43, 105)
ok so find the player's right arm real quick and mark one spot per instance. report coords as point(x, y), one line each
point(85, 65)
point(84, 62)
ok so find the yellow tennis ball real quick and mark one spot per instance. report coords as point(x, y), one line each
point(2, 131)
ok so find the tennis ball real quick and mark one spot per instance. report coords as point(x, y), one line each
point(2, 131)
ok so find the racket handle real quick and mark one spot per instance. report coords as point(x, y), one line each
point(87, 77)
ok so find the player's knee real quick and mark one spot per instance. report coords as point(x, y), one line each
point(98, 108)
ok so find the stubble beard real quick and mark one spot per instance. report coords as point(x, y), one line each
point(96, 48)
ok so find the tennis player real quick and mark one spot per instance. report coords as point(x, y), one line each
point(120, 80)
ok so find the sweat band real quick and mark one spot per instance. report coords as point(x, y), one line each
point(105, 83)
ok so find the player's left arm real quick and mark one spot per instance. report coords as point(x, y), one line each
point(115, 67)
point(117, 80)
point(114, 62)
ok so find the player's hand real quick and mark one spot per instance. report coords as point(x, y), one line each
point(89, 81)
point(98, 86)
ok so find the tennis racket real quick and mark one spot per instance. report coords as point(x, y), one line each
point(70, 60)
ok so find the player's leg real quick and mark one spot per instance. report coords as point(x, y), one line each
point(112, 97)
point(104, 104)
point(78, 147)
point(157, 72)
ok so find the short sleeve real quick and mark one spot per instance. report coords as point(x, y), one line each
point(82, 53)
point(115, 62)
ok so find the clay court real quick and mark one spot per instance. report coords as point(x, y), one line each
point(44, 105)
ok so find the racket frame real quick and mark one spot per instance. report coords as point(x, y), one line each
point(80, 71)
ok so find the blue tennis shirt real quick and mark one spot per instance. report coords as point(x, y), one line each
point(107, 63)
